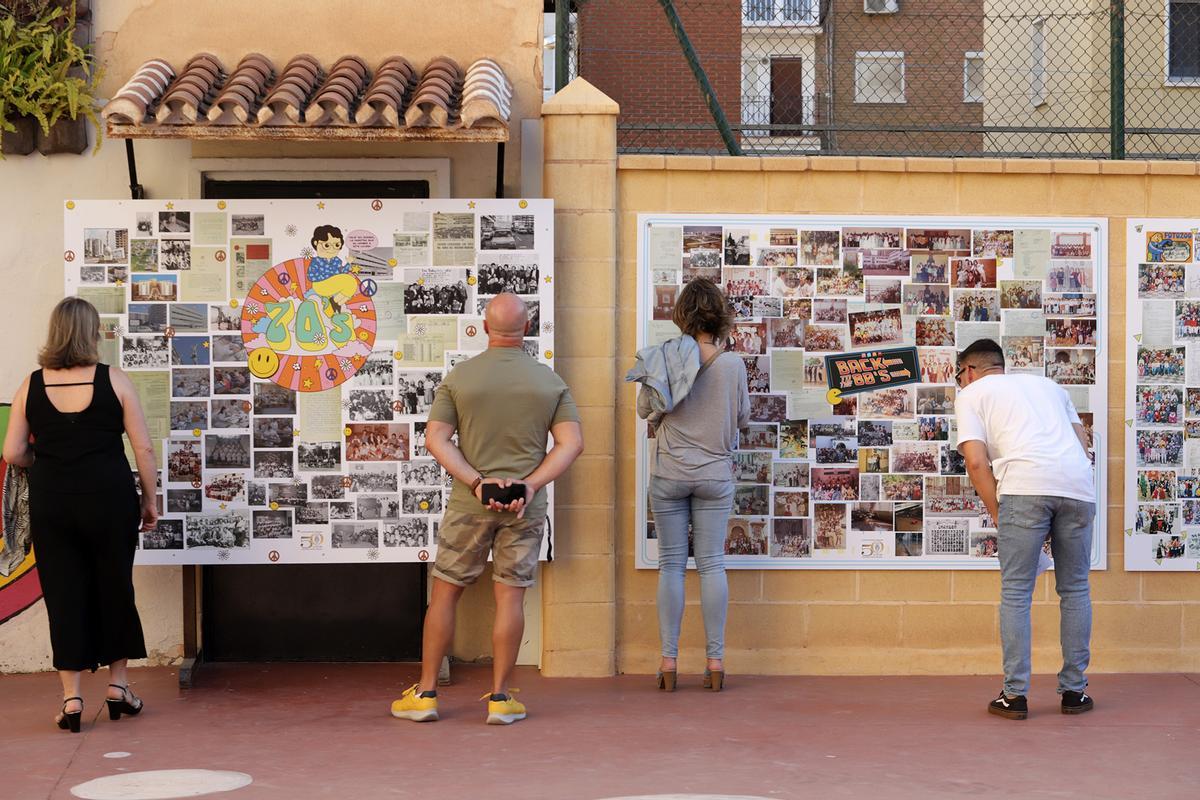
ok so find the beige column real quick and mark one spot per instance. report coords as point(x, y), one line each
point(580, 175)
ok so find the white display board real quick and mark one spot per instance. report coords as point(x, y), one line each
point(1162, 396)
point(286, 353)
point(875, 482)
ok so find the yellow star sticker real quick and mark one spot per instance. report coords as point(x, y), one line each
point(295, 431)
point(119, 282)
point(549, 279)
point(471, 204)
point(356, 269)
point(307, 384)
point(222, 506)
point(170, 206)
point(204, 344)
point(321, 205)
point(356, 358)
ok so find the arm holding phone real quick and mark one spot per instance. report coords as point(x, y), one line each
point(439, 443)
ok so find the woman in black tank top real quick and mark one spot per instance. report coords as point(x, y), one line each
point(65, 427)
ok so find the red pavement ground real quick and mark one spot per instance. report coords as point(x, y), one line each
point(323, 731)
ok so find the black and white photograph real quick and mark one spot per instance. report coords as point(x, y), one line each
point(184, 501)
point(737, 248)
point(341, 510)
point(372, 478)
point(227, 451)
point(421, 501)
point(188, 317)
point(516, 276)
point(223, 318)
point(287, 494)
point(167, 535)
point(90, 274)
point(318, 455)
point(224, 529)
point(415, 391)
point(327, 487)
point(273, 431)
point(506, 232)
point(356, 535)
point(371, 405)
point(248, 225)
point(406, 532)
point(145, 352)
point(145, 223)
point(273, 464)
point(435, 291)
point(175, 254)
point(256, 493)
point(171, 222)
point(105, 246)
point(187, 415)
point(271, 398)
point(377, 371)
point(422, 472)
point(378, 506)
point(272, 524)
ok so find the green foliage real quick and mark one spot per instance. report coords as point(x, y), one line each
point(43, 72)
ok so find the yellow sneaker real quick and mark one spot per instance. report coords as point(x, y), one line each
point(414, 707)
point(504, 712)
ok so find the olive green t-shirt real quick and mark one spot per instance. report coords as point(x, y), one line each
point(503, 404)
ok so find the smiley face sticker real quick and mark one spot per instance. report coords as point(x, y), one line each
point(263, 362)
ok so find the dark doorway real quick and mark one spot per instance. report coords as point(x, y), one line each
point(313, 612)
point(787, 95)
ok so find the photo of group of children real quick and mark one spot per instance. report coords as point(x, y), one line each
point(1162, 497)
point(257, 469)
point(876, 477)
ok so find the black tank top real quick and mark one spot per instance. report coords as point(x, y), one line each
point(80, 451)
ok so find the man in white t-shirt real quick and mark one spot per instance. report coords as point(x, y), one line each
point(1026, 454)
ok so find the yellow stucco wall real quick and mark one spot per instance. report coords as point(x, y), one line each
point(881, 622)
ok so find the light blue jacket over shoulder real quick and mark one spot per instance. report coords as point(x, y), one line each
point(666, 372)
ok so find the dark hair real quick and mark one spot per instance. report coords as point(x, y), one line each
point(987, 348)
point(702, 308)
point(323, 232)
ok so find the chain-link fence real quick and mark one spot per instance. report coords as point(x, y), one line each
point(888, 77)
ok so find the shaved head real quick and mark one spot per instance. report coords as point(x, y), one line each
point(506, 316)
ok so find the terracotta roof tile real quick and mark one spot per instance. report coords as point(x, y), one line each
point(393, 95)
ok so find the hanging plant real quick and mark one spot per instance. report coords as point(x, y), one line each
point(44, 73)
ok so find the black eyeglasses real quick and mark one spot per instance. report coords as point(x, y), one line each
point(958, 375)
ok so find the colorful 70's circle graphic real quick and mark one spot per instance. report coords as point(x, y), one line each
point(305, 335)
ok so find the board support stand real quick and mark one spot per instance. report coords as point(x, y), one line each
point(192, 654)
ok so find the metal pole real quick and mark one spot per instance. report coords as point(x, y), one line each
point(1116, 79)
point(562, 43)
point(710, 98)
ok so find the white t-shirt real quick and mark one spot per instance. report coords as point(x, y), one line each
point(1025, 422)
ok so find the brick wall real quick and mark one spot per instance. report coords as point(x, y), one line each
point(934, 35)
point(881, 622)
point(629, 52)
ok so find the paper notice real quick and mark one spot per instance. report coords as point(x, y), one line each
point(319, 416)
point(665, 246)
point(1081, 397)
point(110, 341)
point(787, 371)
point(1031, 253)
point(415, 221)
point(251, 260)
point(425, 343)
point(210, 228)
point(207, 278)
point(411, 249)
point(967, 333)
point(106, 299)
point(660, 330)
point(471, 335)
point(1022, 322)
point(1191, 280)
point(807, 404)
point(453, 240)
point(389, 311)
point(154, 393)
point(1158, 318)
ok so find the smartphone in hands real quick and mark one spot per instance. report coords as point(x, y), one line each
point(501, 494)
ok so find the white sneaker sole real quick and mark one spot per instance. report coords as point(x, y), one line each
point(504, 719)
point(416, 716)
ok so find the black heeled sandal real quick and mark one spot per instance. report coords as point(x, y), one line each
point(123, 706)
point(69, 720)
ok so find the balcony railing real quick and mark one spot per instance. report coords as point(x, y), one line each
point(805, 13)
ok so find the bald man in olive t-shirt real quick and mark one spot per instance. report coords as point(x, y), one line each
point(503, 405)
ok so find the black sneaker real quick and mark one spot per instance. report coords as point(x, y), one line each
point(1009, 707)
point(1076, 702)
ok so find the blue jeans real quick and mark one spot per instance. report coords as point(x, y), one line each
point(1024, 522)
point(706, 505)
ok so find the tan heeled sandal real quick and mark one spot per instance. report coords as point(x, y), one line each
point(714, 679)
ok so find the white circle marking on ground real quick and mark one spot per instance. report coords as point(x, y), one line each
point(688, 797)
point(118, 754)
point(161, 784)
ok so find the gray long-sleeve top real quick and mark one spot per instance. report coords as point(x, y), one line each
point(696, 441)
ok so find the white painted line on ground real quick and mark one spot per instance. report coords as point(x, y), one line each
point(161, 784)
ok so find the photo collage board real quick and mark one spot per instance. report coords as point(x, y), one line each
point(287, 352)
point(1162, 395)
point(875, 481)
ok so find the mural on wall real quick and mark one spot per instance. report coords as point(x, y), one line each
point(1162, 396)
point(287, 353)
point(849, 328)
point(19, 587)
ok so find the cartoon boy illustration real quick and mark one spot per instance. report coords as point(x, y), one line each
point(331, 279)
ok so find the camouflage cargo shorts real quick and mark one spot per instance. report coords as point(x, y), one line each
point(464, 541)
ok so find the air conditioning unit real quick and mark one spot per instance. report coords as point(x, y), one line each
point(881, 6)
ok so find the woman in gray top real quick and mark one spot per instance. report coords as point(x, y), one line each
point(691, 482)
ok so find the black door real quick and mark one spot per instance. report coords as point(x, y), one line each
point(313, 612)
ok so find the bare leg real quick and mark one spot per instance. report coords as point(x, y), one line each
point(506, 633)
point(70, 687)
point(439, 631)
point(118, 673)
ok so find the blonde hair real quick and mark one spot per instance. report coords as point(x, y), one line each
point(74, 335)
